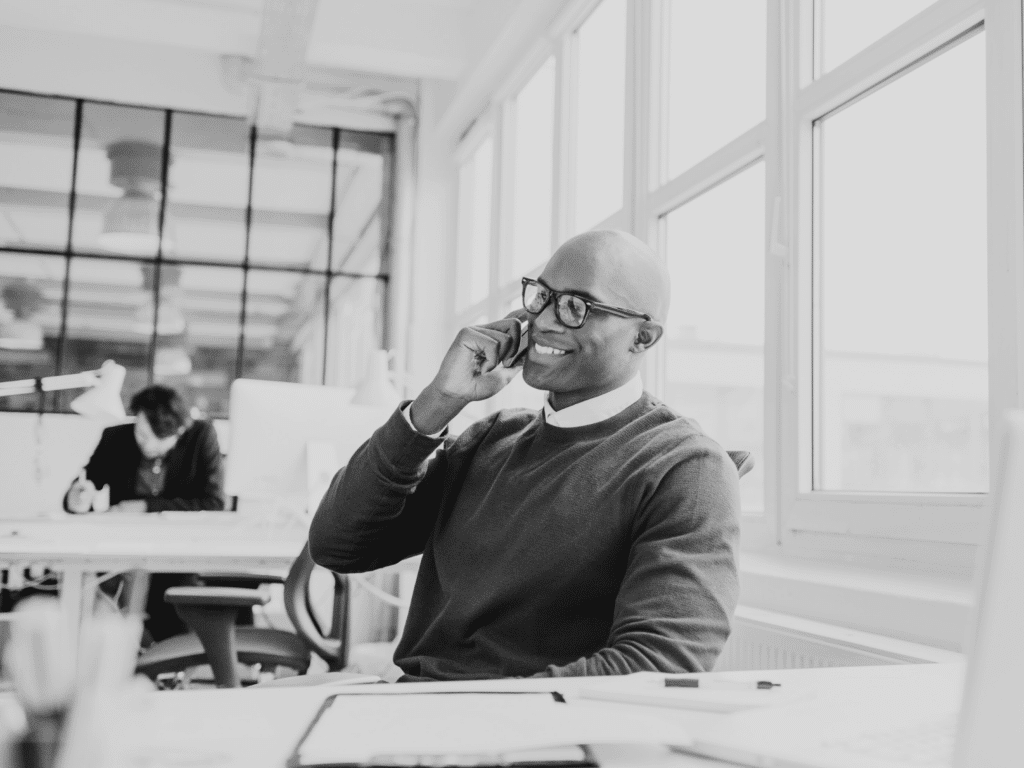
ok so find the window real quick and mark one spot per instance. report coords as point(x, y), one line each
point(600, 114)
point(533, 171)
point(474, 235)
point(716, 76)
point(836, 188)
point(36, 154)
point(846, 28)
point(901, 390)
point(195, 256)
point(714, 336)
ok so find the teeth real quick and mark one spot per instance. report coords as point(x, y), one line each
point(542, 350)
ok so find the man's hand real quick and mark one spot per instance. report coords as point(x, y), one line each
point(81, 494)
point(129, 506)
point(471, 370)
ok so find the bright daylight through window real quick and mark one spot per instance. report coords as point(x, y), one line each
point(716, 76)
point(901, 392)
point(600, 114)
point(714, 337)
point(846, 27)
point(474, 233)
point(533, 171)
point(170, 290)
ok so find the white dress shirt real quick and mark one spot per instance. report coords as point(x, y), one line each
point(596, 408)
point(580, 415)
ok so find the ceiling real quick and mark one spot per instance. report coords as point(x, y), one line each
point(405, 38)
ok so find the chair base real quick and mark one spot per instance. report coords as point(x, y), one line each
point(256, 645)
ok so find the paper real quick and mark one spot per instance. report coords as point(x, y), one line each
point(391, 729)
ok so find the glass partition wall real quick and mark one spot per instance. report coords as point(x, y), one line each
point(187, 248)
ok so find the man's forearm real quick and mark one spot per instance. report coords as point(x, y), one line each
point(378, 509)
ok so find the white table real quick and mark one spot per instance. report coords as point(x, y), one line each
point(258, 728)
point(79, 547)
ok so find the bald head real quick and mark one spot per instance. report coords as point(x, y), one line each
point(622, 268)
point(575, 363)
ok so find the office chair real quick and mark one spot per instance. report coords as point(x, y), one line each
point(210, 612)
point(744, 461)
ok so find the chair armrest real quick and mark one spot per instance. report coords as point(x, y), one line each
point(225, 597)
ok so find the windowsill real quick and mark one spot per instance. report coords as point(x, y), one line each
point(918, 608)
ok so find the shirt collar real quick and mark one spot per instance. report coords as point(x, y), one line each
point(596, 408)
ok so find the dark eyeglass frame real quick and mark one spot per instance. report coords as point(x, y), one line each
point(589, 304)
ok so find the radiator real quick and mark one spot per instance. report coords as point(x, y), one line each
point(768, 640)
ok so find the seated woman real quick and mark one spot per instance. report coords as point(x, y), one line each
point(164, 461)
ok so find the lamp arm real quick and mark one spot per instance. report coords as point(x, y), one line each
point(49, 383)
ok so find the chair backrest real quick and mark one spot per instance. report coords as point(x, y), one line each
point(744, 461)
point(331, 645)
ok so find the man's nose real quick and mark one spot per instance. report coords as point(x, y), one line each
point(547, 320)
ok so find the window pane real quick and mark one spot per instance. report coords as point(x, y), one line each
point(284, 326)
point(600, 114)
point(356, 328)
point(120, 180)
point(36, 155)
point(197, 339)
point(208, 189)
point(363, 160)
point(474, 246)
point(30, 298)
point(533, 169)
point(110, 317)
point(903, 397)
point(714, 336)
point(847, 28)
point(716, 76)
point(291, 199)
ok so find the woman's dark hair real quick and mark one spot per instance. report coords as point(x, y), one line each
point(163, 408)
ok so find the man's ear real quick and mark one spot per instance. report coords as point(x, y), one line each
point(647, 335)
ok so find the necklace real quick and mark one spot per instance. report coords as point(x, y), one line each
point(156, 464)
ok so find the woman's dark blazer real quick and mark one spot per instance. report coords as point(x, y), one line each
point(194, 469)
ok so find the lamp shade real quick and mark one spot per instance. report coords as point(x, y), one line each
point(376, 388)
point(103, 401)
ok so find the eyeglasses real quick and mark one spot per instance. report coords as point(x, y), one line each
point(571, 310)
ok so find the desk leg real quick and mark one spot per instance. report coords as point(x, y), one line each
point(72, 597)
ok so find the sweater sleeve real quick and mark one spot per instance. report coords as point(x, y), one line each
point(95, 469)
point(674, 608)
point(381, 507)
point(206, 481)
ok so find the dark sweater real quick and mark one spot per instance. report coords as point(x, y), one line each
point(595, 550)
point(193, 470)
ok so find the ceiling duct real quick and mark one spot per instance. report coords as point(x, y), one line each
point(279, 69)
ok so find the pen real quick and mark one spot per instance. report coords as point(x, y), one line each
point(737, 685)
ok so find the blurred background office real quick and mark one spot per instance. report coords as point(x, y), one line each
point(209, 190)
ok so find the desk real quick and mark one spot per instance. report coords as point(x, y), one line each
point(258, 728)
point(81, 546)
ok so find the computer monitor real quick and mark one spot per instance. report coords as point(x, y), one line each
point(285, 438)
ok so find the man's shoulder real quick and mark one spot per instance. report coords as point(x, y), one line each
point(669, 430)
point(119, 432)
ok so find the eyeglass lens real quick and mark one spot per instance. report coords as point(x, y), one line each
point(571, 311)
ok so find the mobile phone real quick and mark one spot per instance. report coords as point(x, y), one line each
point(524, 343)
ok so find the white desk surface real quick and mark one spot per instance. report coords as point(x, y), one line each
point(180, 541)
point(258, 728)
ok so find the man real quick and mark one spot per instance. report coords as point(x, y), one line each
point(596, 537)
point(164, 461)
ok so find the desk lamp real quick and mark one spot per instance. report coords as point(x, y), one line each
point(102, 401)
